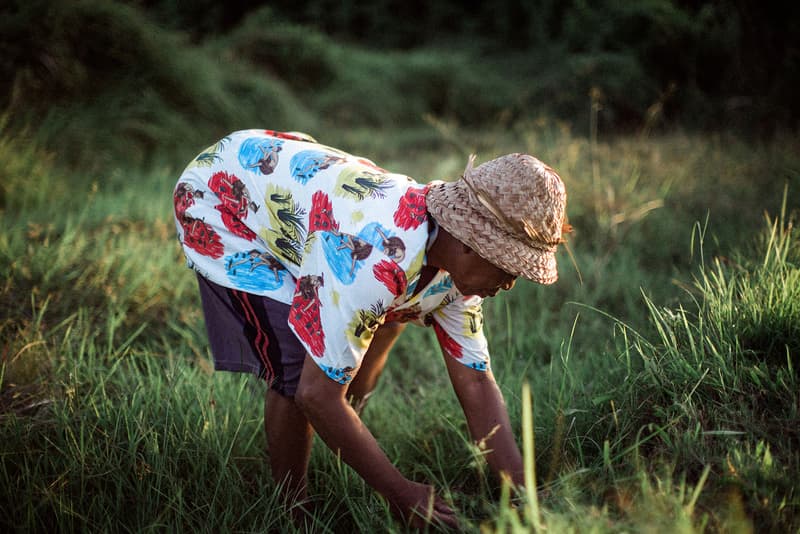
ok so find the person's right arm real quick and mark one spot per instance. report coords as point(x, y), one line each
point(324, 403)
point(487, 419)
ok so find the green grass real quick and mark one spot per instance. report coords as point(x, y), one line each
point(664, 387)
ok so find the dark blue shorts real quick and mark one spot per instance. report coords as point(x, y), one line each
point(249, 333)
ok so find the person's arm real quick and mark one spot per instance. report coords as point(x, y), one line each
point(324, 404)
point(487, 418)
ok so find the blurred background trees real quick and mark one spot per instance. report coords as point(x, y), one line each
point(103, 101)
point(163, 70)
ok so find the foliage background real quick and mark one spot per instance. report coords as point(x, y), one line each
point(664, 376)
point(149, 70)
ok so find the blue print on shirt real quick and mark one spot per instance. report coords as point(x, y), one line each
point(307, 163)
point(342, 375)
point(260, 155)
point(255, 271)
point(346, 253)
point(412, 286)
point(441, 287)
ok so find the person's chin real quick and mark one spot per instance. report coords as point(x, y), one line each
point(472, 291)
point(482, 293)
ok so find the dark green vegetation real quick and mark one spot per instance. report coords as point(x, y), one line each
point(87, 70)
point(665, 386)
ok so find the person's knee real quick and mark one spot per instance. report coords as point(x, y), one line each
point(310, 399)
point(305, 398)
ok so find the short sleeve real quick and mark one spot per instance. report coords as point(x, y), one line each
point(342, 294)
point(458, 324)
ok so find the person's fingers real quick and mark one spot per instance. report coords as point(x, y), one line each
point(447, 519)
point(438, 514)
point(424, 508)
point(440, 506)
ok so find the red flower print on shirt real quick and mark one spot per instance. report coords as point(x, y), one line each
point(448, 344)
point(234, 203)
point(391, 275)
point(183, 198)
point(412, 210)
point(236, 226)
point(285, 135)
point(321, 215)
point(405, 315)
point(201, 237)
point(304, 315)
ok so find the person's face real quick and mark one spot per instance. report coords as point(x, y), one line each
point(477, 276)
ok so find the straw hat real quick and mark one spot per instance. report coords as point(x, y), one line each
point(509, 210)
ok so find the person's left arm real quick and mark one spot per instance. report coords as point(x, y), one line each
point(459, 330)
point(487, 418)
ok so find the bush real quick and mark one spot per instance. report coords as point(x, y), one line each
point(103, 83)
point(719, 386)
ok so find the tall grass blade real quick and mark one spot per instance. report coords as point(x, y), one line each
point(532, 511)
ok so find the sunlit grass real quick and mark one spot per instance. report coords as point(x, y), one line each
point(655, 406)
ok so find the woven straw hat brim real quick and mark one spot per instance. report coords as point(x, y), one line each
point(450, 205)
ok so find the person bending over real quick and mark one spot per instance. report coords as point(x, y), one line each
point(310, 262)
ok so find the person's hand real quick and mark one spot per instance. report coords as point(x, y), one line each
point(324, 404)
point(418, 506)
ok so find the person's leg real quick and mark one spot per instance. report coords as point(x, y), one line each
point(372, 365)
point(289, 438)
point(250, 333)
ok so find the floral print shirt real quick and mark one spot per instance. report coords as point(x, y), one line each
point(339, 239)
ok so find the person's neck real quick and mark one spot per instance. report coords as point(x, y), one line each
point(442, 249)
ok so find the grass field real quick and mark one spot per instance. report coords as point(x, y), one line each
point(662, 371)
